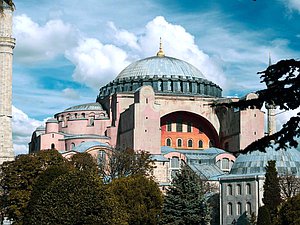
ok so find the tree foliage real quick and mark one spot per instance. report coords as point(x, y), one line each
point(283, 91)
point(289, 212)
point(272, 197)
point(76, 198)
point(140, 198)
point(185, 202)
point(289, 185)
point(10, 3)
point(263, 217)
point(123, 163)
point(18, 178)
point(84, 162)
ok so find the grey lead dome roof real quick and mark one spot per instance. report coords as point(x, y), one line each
point(287, 161)
point(83, 107)
point(161, 67)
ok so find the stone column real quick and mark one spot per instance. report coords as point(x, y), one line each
point(7, 44)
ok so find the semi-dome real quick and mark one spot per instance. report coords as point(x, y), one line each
point(164, 67)
point(167, 75)
point(287, 161)
point(85, 107)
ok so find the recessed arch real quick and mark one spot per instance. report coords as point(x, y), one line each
point(188, 126)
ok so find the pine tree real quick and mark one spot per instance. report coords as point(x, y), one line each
point(185, 202)
point(272, 198)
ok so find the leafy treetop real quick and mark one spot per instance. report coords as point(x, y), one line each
point(283, 91)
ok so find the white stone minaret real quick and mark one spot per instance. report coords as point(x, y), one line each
point(271, 113)
point(7, 44)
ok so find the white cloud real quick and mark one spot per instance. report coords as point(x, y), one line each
point(96, 63)
point(283, 117)
point(124, 37)
point(22, 126)
point(37, 43)
point(70, 93)
point(293, 5)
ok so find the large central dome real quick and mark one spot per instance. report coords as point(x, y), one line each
point(166, 67)
point(166, 75)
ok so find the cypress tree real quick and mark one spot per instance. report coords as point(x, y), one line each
point(185, 202)
point(263, 217)
point(272, 198)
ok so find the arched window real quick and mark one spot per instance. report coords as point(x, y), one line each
point(179, 142)
point(92, 120)
point(200, 144)
point(83, 115)
point(160, 85)
point(189, 127)
point(229, 189)
point(229, 209)
point(238, 189)
point(190, 87)
point(52, 146)
point(169, 142)
point(169, 126)
point(190, 143)
point(248, 189)
point(179, 125)
point(170, 85)
point(72, 145)
point(101, 157)
point(225, 164)
point(248, 208)
point(174, 162)
point(238, 208)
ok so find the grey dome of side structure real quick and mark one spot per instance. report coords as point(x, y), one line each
point(166, 75)
point(287, 161)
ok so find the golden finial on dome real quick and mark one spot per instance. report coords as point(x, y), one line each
point(160, 53)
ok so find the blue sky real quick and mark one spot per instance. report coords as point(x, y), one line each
point(67, 49)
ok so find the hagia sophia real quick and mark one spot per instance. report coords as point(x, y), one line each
point(164, 106)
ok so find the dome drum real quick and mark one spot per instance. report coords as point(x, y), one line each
point(164, 85)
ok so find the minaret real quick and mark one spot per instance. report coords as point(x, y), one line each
point(271, 109)
point(7, 44)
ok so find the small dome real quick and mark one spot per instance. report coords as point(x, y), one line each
point(85, 107)
point(52, 120)
point(40, 128)
point(287, 161)
point(161, 67)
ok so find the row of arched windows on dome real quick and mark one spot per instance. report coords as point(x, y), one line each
point(65, 119)
point(239, 208)
point(238, 189)
point(190, 143)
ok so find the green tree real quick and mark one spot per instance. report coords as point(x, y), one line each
point(8, 2)
point(42, 183)
point(263, 217)
point(123, 163)
point(140, 197)
point(77, 198)
point(289, 212)
point(84, 162)
point(184, 202)
point(283, 91)
point(18, 177)
point(272, 197)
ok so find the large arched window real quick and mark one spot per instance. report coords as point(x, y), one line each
point(174, 162)
point(225, 164)
point(248, 208)
point(169, 142)
point(238, 208)
point(229, 209)
point(190, 143)
point(238, 189)
point(229, 189)
point(72, 145)
point(200, 144)
point(179, 142)
point(248, 189)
